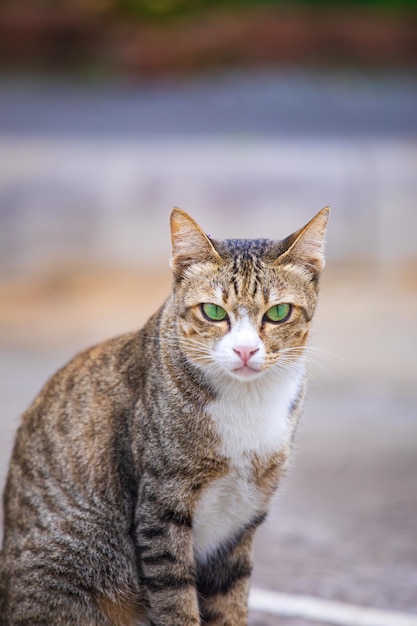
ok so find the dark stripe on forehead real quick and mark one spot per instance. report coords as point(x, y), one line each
point(247, 258)
point(251, 277)
point(235, 275)
point(247, 267)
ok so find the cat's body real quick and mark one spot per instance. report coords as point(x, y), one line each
point(143, 468)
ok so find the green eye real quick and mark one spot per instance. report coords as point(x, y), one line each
point(278, 313)
point(214, 312)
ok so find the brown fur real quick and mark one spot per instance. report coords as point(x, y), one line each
point(115, 462)
point(122, 610)
point(267, 474)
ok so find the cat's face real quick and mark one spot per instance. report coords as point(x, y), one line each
point(245, 306)
point(242, 317)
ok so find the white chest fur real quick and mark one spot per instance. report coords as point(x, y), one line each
point(250, 419)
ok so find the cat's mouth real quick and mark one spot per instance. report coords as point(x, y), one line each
point(245, 372)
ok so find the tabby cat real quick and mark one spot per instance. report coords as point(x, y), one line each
point(142, 470)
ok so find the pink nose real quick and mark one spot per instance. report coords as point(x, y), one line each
point(245, 353)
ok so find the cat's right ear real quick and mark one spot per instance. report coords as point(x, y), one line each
point(189, 243)
point(306, 246)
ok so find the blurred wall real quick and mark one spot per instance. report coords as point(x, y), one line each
point(109, 203)
point(89, 177)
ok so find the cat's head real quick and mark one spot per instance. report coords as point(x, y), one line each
point(244, 307)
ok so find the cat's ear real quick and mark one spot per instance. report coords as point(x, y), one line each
point(306, 246)
point(189, 243)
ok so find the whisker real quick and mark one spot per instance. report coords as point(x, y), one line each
point(178, 341)
point(287, 359)
point(316, 349)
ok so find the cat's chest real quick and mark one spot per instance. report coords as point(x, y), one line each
point(254, 420)
point(250, 426)
point(226, 506)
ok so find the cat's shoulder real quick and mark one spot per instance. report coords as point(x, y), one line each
point(100, 366)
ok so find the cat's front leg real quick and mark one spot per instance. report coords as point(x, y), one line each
point(223, 584)
point(165, 553)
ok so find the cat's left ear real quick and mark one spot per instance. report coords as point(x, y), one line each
point(189, 243)
point(306, 246)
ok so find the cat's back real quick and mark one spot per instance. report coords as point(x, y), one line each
point(93, 385)
point(71, 479)
point(83, 393)
point(74, 441)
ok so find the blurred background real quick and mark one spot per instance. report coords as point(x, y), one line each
point(251, 115)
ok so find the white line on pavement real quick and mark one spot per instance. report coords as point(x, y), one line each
point(315, 609)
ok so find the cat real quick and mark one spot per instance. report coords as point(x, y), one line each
point(142, 470)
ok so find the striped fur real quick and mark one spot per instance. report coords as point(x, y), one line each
point(142, 470)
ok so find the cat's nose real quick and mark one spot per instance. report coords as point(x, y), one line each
point(245, 353)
